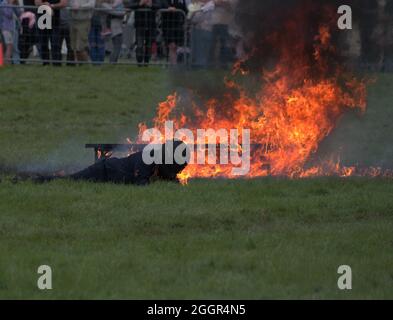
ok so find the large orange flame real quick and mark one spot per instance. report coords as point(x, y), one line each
point(298, 104)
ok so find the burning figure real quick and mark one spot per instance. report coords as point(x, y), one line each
point(130, 170)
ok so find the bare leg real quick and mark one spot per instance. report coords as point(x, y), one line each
point(8, 54)
point(172, 53)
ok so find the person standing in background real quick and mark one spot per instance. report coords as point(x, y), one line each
point(28, 36)
point(51, 35)
point(81, 14)
point(7, 27)
point(128, 45)
point(200, 17)
point(96, 40)
point(145, 28)
point(17, 29)
point(366, 12)
point(173, 26)
point(222, 16)
point(65, 21)
point(115, 14)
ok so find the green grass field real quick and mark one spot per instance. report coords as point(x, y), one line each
point(265, 238)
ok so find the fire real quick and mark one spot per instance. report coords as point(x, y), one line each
point(298, 104)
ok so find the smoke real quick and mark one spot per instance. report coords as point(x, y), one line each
point(268, 30)
point(357, 140)
point(265, 26)
point(69, 156)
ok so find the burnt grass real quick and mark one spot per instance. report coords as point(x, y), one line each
point(262, 238)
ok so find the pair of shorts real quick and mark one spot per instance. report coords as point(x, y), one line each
point(8, 37)
point(80, 35)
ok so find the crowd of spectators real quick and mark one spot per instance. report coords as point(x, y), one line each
point(200, 33)
point(91, 30)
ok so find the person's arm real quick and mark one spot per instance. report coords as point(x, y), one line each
point(133, 4)
point(223, 4)
point(60, 5)
point(208, 6)
point(191, 10)
point(41, 3)
point(109, 9)
point(89, 4)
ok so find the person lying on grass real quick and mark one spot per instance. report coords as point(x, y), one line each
point(132, 169)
